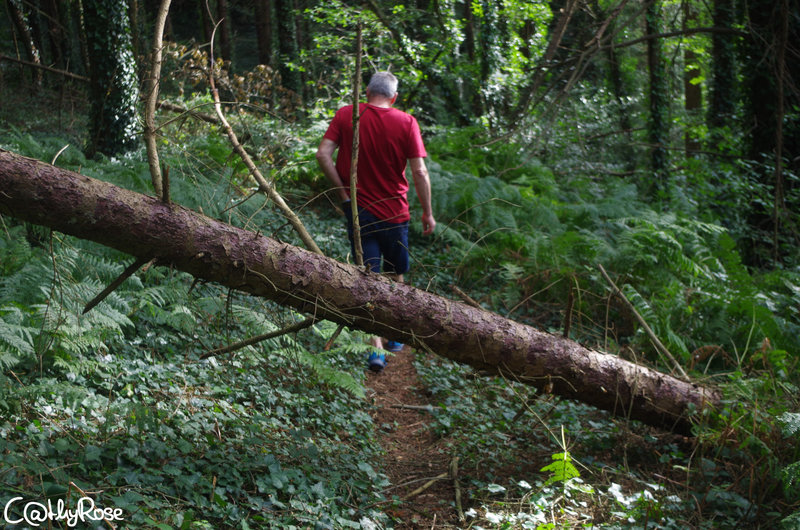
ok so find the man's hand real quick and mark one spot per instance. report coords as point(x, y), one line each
point(422, 183)
point(428, 224)
point(325, 160)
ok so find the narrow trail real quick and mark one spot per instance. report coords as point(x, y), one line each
point(413, 455)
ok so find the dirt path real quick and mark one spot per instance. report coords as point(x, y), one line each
point(413, 455)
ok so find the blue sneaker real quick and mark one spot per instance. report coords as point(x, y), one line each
point(376, 362)
point(393, 346)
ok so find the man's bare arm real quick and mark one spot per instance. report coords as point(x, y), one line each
point(325, 160)
point(422, 183)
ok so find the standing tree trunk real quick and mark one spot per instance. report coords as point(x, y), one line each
point(489, 44)
point(617, 83)
point(209, 249)
point(114, 87)
point(287, 45)
point(25, 37)
point(692, 92)
point(153, 83)
point(224, 21)
point(56, 34)
point(263, 11)
point(658, 123)
point(722, 104)
point(763, 99)
point(205, 20)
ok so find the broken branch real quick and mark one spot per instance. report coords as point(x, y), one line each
point(259, 338)
point(647, 329)
point(127, 273)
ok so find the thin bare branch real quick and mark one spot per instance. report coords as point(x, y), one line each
point(152, 99)
point(260, 338)
point(265, 186)
point(658, 344)
point(45, 68)
point(354, 157)
point(127, 273)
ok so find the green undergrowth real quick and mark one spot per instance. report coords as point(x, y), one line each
point(529, 460)
point(119, 402)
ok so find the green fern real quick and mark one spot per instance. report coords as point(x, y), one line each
point(791, 480)
point(325, 372)
point(16, 338)
point(791, 423)
point(561, 470)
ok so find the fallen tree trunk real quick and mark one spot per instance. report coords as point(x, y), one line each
point(148, 228)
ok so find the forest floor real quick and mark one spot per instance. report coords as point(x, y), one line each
point(414, 458)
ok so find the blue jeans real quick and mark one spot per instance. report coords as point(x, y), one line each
point(380, 239)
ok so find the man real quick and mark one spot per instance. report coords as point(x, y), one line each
point(389, 139)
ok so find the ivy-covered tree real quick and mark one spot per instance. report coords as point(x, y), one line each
point(692, 90)
point(25, 36)
point(658, 124)
point(723, 97)
point(289, 52)
point(114, 87)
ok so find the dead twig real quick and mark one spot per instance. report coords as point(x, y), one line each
point(332, 339)
point(127, 273)
point(45, 68)
point(425, 486)
point(109, 523)
point(264, 186)
point(259, 338)
point(426, 408)
point(202, 116)
point(457, 486)
point(647, 329)
point(465, 297)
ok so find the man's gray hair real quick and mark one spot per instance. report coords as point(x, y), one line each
point(383, 83)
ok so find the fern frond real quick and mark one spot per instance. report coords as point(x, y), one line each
point(25, 284)
point(326, 373)
point(561, 469)
point(791, 478)
point(75, 365)
point(639, 302)
point(14, 333)
point(7, 360)
point(353, 347)
point(791, 423)
point(254, 321)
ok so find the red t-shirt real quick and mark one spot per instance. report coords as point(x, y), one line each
point(388, 138)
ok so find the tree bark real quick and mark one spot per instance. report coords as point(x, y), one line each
point(225, 42)
point(658, 126)
point(326, 289)
point(692, 92)
point(151, 102)
point(24, 32)
point(263, 13)
point(724, 67)
point(287, 45)
point(114, 87)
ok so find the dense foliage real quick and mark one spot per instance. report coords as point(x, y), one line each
point(554, 147)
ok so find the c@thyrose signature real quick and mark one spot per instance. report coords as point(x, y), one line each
point(37, 513)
